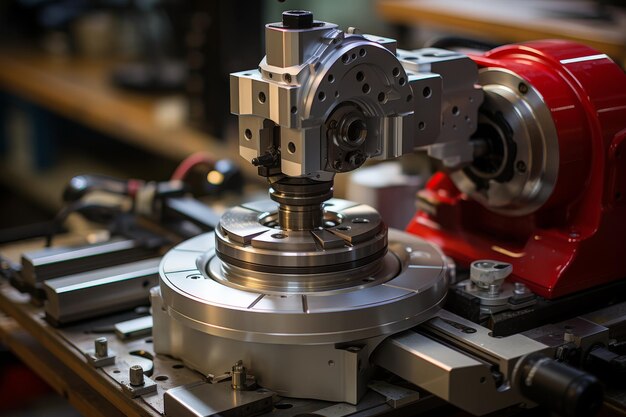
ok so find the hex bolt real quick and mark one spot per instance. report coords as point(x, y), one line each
point(101, 347)
point(135, 374)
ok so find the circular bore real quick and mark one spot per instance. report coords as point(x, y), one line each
point(533, 134)
point(361, 311)
point(353, 130)
point(493, 162)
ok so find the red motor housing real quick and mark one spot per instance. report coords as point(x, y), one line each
point(576, 238)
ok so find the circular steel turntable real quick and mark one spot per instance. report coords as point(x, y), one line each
point(256, 292)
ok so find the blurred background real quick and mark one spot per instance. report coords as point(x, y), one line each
point(129, 88)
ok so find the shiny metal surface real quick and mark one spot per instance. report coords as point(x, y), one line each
point(333, 372)
point(432, 360)
point(532, 131)
point(56, 262)
point(315, 302)
point(366, 276)
point(106, 290)
point(306, 75)
point(354, 237)
point(192, 295)
point(300, 202)
point(446, 107)
point(485, 273)
point(498, 297)
point(207, 400)
point(133, 328)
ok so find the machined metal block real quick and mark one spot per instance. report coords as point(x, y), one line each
point(206, 400)
point(57, 262)
point(103, 291)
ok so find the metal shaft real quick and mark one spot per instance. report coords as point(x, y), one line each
point(300, 202)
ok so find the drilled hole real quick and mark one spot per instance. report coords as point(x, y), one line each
point(291, 147)
point(161, 378)
point(359, 76)
point(421, 125)
point(331, 78)
point(427, 92)
point(261, 97)
point(362, 52)
point(366, 88)
point(401, 81)
point(523, 88)
point(321, 96)
point(294, 110)
point(382, 97)
point(360, 220)
point(395, 72)
point(248, 134)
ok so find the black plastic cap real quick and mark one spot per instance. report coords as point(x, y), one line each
point(297, 19)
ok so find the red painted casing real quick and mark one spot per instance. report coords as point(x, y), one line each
point(577, 239)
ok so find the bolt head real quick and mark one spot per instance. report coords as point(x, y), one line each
point(297, 19)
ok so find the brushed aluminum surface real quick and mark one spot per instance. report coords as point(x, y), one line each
point(373, 306)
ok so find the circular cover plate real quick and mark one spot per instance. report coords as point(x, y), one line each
point(377, 307)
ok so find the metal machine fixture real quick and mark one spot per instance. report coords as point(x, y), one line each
point(306, 275)
point(549, 175)
point(311, 299)
point(316, 285)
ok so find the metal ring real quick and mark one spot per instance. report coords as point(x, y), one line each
point(200, 302)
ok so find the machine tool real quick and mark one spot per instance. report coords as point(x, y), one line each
point(305, 304)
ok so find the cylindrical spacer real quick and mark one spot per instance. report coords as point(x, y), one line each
point(301, 202)
point(101, 347)
point(238, 376)
point(135, 374)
